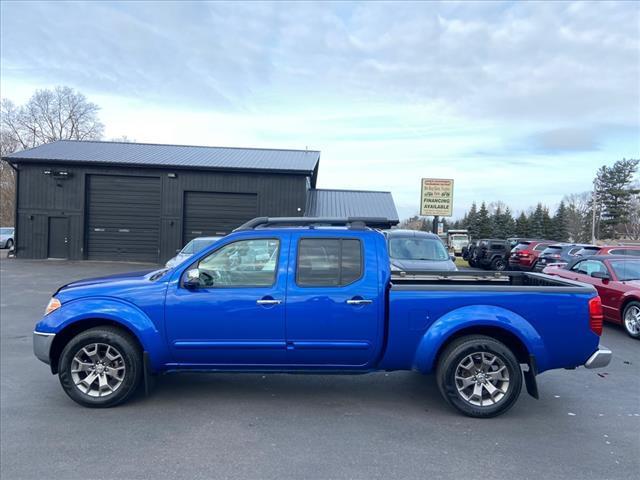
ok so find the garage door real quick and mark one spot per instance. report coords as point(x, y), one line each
point(212, 213)
point(123, 220)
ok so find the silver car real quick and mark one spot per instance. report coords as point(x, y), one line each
point(416, 251)
point(194, 246)
point(6, 237)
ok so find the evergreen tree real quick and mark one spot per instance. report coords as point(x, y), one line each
point(536, 222)
point(471, 222)
point(547, 224)
point(560, 227)
point(484, 222)
point(509, 223)
point(614, 194)
point(522, 225)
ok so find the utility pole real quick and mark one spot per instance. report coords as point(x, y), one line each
point(593, 214)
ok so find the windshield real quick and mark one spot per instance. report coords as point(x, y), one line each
point(522, 246)
point(413, 248)
point(626, 269)
point(587, 251)
point(552, 250)
point(6, 231)
point(197, 244)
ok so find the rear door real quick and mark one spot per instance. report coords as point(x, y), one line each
point(333, 304)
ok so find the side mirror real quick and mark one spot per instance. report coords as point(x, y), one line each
point(601, 275)
point(193, 279)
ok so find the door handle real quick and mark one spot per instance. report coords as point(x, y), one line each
point(359, 301)
point(266, 301)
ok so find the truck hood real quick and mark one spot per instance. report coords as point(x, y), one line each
point(111, 285)
point(421, 265)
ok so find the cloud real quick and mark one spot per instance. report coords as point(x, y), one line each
point(488, 93)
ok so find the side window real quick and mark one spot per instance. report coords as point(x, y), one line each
point(574, 251)
point(246, 263)
point(328, 262)
point(589, 266)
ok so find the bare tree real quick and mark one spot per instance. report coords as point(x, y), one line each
point(631, 229)
point(49, 115)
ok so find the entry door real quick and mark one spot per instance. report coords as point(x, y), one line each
point(58, 237)
point(333, 304)
point(235, 316)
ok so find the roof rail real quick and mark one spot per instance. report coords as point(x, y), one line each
point(354, 223)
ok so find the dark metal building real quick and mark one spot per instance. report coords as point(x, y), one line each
point(140, 202)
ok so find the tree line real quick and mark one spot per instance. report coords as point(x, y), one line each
point(616, 197)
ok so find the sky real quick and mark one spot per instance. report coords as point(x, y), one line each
point(518, 102)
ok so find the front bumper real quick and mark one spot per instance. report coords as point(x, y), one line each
point(42, 345)
point(600, 358)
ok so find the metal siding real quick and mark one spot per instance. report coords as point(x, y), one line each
point(123, 218)
point(181, 156)
point(277, 195)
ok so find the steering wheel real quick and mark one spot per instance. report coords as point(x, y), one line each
point(206, 278)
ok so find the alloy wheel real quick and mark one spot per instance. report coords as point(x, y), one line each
point(482, 379)
point(632, 320)
point(98, 369)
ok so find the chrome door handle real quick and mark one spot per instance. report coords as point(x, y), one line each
point(360, 301)
point(265, 301)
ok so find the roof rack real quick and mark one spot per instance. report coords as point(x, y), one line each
point(353, 223)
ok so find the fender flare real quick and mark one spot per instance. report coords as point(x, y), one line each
point(476, 316)
point(114, 310)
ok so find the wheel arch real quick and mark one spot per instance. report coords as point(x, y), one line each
point(63, 337)
point(625, 302)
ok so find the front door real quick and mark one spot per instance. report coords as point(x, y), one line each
point(235, 316)
point(58, 237)
point(333, 303)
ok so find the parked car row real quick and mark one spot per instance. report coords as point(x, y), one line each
point(534, 255)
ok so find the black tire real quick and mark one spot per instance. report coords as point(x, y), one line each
point(472, 263)
point(131, 359)
point(631, 306)
point(499, 264)
point(450, 361)
point(9, 244)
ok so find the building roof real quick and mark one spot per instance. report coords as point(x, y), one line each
point(351, 203)
point(175, 156)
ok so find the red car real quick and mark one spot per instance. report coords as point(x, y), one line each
point(617, 280)
point(525, 254)
point(631, 250)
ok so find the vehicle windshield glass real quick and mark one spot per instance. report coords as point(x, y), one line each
point(459, 238)
point(5, 231)
point(552, 250)
point(197, 244)
point(415, 248)
point(522, 246)
point(626, 269)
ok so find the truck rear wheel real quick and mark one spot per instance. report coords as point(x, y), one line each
point(100, 367)
point(479, 376)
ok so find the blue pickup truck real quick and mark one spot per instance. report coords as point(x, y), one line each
point(317, 296)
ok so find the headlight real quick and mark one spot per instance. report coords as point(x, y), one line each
point(52, 306)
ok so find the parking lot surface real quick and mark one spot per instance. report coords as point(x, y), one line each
point(586, 424)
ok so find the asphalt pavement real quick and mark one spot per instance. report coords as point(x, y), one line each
point(586, 424)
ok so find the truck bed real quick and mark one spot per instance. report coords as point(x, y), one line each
point(548, 314)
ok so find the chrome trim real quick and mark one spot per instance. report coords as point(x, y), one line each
point(268, 302)
point(42, 345)
point(600, 358)
point(361, 301)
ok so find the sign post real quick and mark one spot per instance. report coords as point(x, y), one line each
point(436, 199)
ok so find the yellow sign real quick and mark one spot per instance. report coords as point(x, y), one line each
point(436, 197)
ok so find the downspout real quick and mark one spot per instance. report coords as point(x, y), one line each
point(15, 210)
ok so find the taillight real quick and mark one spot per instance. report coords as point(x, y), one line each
point(524, 253)
point(595, 315)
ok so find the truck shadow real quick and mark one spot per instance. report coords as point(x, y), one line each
point(409, 390)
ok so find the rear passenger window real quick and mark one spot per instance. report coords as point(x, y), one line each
point(328, 262)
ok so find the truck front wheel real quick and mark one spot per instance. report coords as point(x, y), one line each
point(100, 367)
point(479, 376)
